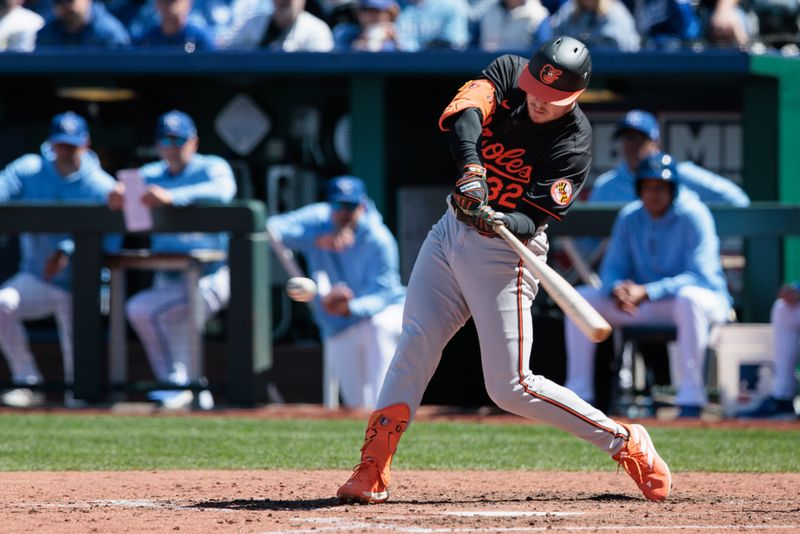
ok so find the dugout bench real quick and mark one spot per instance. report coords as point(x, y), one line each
point(763, 226)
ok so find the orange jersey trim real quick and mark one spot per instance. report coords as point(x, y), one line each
point(553, 215)
point(473, 94)
point(521, 369)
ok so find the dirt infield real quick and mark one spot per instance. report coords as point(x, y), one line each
point(294, 501)
point(421, 502)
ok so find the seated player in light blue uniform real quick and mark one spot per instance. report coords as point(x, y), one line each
point(348, 249)
point(160, 315)
point(65, 171)
point(662, 266)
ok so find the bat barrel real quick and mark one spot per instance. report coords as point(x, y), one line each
point(572, 303)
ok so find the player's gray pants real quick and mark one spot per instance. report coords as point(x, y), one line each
point(160, 316)
point(693, 311)
point(26, 297)
point(458, 274)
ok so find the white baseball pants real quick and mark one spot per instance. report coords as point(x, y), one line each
point(458, 274)
point(786, 324)
point(160, 316)
point(692, 311)
point(361, 355)
point(26, 297)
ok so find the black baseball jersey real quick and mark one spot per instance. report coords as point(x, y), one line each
point(536, 169)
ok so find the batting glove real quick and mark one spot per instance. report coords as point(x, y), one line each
point(471, 191)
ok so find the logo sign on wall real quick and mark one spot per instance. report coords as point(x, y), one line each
point(712, 140)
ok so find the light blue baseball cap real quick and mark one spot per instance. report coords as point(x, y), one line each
point(347, 189)
point(641, 121)
point(69, 129)
point(175, 124)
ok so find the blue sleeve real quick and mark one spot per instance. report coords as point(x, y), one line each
point(617, 261)
point(100, 185)
point(220, 186)
point(690, 23)
point(202, 36)
point(343, 36)
point(702, 257)
point(382, 288)
point(544, 32)
point(607, 188)
point(121, 37)
point(711, 187)
point(117, 35)
point(299, 229)
point(10, 183)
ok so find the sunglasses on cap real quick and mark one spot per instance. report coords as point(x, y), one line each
point(347, 206)
point(172, 140)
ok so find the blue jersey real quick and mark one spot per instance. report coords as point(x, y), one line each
point(666, 22)
point(34, 178)
point(103, 30)
point(679, 249)
point(212, 15)
point(433, 24)
point(192, 37)
point(370, 268)
point(204, 179)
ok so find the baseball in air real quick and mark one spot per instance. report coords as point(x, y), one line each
point(301, 289)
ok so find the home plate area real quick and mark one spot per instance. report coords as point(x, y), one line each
point(421, 502)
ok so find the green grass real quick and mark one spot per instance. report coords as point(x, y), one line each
point(105, 442)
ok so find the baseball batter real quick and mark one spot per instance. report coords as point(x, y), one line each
point(523, 148)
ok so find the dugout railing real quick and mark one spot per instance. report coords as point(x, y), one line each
point(763, 226)
point(248, 315)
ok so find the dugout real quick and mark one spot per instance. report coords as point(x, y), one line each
point(375, 115)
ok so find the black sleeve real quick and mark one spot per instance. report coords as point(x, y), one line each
point(557, 185)
point(465, 138)
point(520, 224)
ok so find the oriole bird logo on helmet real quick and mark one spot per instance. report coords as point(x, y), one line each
point(549, 74)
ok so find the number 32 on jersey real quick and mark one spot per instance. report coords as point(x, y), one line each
point(506, 195)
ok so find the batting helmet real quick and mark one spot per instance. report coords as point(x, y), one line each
point(658, 166)
point(558, 72)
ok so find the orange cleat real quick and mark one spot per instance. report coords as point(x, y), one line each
point(641, 461)
point(369, 482)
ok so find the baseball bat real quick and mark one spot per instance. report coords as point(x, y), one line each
point(284, 255)
point(567, 297)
